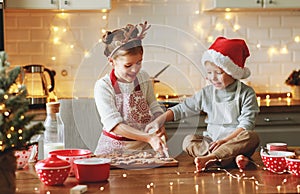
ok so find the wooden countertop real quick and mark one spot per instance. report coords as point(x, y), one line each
point(277, 105)
point(181, 179)
point(273, 105)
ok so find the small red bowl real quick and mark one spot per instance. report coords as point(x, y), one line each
point(52, 170)
point(293, 163)
point(70, 155)
point(92, 169)
point(274, 161)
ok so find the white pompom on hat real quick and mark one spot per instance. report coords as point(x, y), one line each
point(230, 55)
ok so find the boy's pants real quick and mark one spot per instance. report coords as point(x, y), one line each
point(245, 143)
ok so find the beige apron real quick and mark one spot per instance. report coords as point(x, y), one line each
point(223, 120)
point(135, 112)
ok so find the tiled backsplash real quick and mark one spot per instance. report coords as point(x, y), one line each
point(178, 36)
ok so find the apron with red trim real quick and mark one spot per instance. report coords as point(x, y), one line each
point(135, 112)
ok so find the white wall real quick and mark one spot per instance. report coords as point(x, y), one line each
point(178, 36)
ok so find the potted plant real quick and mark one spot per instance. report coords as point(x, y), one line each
point(294, 81)
point(14, 131)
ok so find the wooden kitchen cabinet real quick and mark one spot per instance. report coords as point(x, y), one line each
point(281, 4)
point(279, 127)
point(219, 5)
point(177, 131)
point(58, 4)
point(31, 4)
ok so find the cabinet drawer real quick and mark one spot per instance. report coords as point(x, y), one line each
point(266, 119)
point(187, 123)
point(289, 134)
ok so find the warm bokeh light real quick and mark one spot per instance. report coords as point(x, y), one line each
point(55, 28)
point(55, 40)
point(219, 27)
point(210, 39)
point(284, 50)
point(228, 16)
point(272, 51)
point(236, 27)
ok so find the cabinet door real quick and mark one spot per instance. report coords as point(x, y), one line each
point(239, 3)
point(281, 3)
point(32, 4)
point(84, 4)
point(234, 4)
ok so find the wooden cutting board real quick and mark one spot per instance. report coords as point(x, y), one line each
point(138, 160)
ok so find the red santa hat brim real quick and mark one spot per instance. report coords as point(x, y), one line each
point(225, 63)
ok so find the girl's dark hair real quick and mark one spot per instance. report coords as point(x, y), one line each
point(113, 40)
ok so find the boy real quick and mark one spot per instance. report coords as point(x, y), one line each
point(230, 105)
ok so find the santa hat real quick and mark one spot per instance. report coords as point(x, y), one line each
point(230, 55)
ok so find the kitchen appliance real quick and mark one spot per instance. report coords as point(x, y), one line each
point(35, 79)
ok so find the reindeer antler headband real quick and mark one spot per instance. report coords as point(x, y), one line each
point(128, 38)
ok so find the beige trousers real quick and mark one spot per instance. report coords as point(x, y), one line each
point(245, 143)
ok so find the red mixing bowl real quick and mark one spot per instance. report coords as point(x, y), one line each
point(92, 169)
point(293, 163)
point(274, 161)
point(70, 155)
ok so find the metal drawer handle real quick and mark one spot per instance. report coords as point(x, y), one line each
point(258, 1)
point(273, 120)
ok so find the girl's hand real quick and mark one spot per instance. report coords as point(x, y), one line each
point(216, 144)
point(161, 132)
point(156, 143)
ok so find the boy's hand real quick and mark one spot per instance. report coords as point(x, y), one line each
point(216, 144)
point(152, 127)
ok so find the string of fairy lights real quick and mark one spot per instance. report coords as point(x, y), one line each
point(11, 132)
point(63, 36)
point(230, 20)
point(218, 179)
point(227, 20)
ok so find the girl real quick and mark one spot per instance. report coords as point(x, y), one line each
point(125, 99)
point(230, 105)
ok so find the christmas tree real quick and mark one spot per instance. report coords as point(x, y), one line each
point(15, 133)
